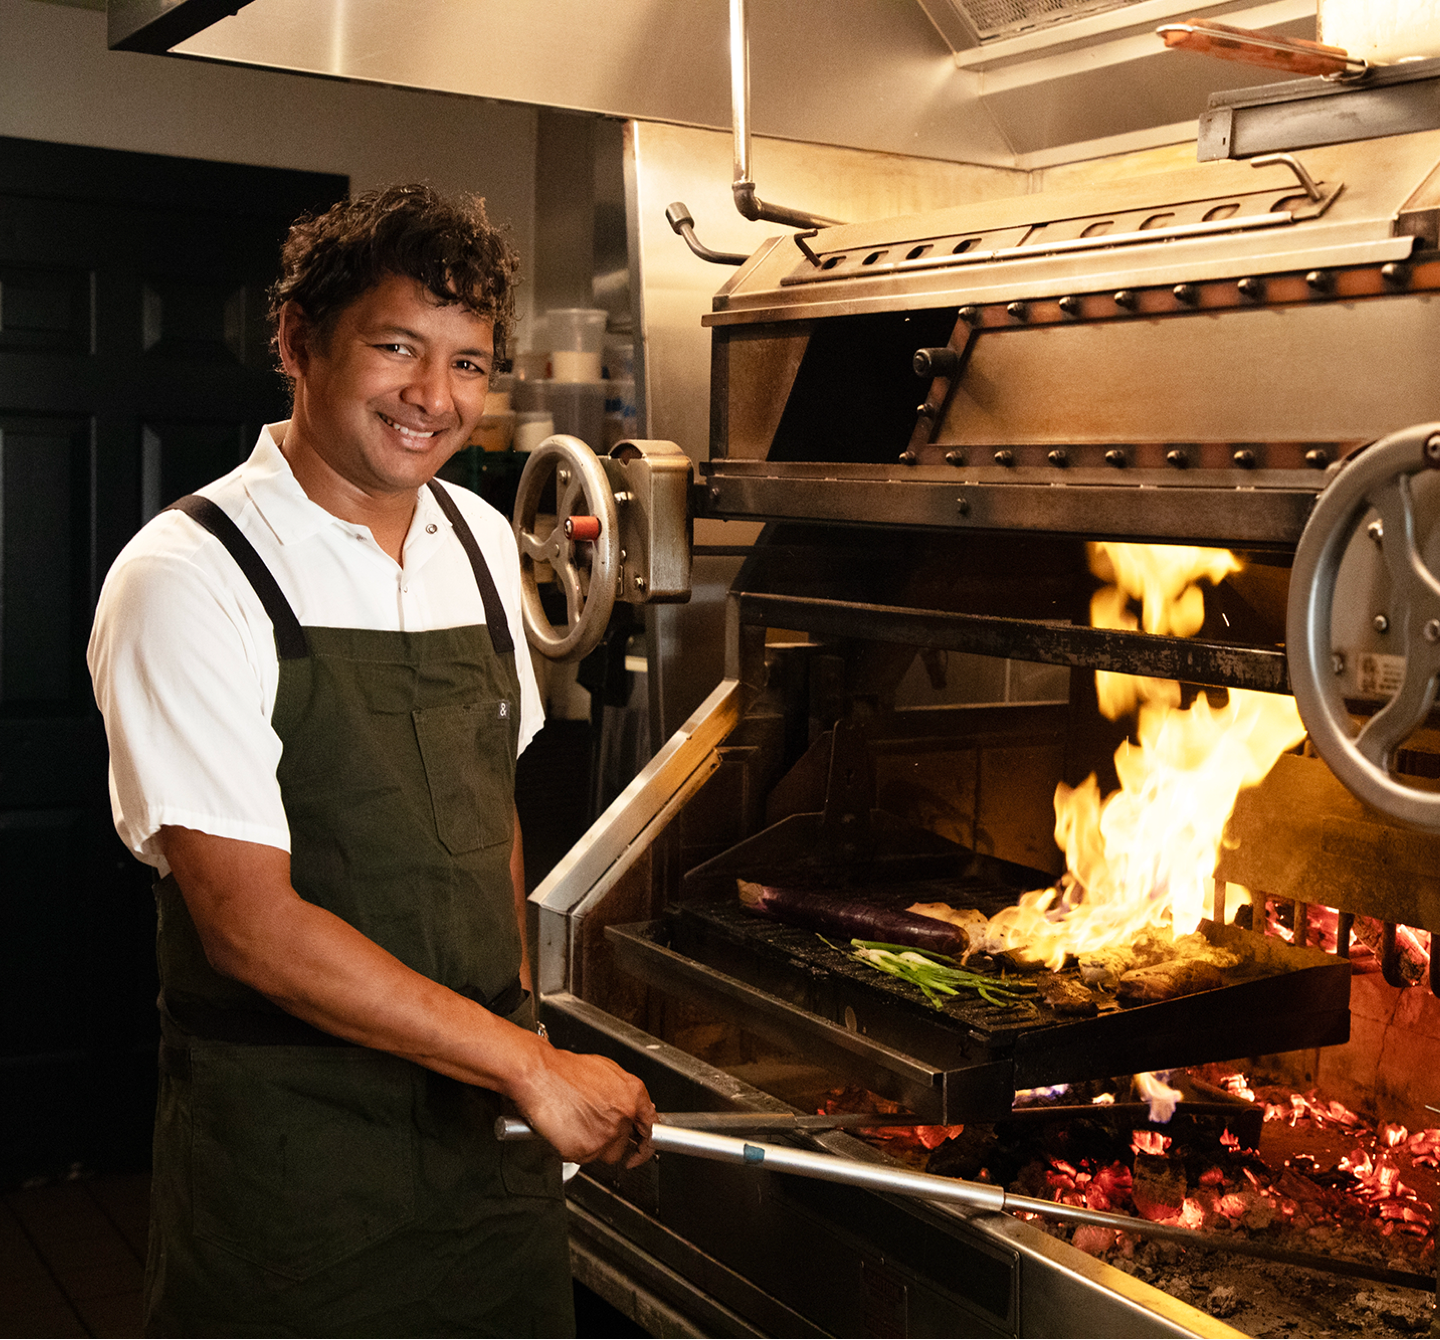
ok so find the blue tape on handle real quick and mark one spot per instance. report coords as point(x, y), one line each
point(754, 1154)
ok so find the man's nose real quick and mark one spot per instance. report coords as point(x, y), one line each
point(429, 388)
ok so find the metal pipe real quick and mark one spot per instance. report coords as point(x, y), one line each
point(743, 185)
point(973, 1195)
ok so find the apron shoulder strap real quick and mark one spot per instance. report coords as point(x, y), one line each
point(495, 619)
point(290, 643)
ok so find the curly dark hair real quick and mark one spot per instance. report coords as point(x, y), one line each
point(449, 245)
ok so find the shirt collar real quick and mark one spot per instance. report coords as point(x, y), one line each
point(288, 510)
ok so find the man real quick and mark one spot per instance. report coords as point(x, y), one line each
point(315, 684)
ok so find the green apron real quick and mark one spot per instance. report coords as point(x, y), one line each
point(306, 1186)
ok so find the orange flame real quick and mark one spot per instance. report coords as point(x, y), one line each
point(1144, 857)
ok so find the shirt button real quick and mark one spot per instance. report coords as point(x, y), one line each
point(431, 528)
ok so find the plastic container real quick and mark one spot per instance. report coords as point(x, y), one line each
point(1381, 30)
point(495, 433)
point(532, 427)
point(577, 408)
point(576, 336)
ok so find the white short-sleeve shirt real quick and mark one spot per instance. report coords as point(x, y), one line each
point(183, 654)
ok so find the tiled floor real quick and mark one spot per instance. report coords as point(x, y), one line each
point(72, 1257)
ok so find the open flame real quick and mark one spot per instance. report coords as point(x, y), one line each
point(1144, 856)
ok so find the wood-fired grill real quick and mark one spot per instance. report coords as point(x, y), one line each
point(932, 415)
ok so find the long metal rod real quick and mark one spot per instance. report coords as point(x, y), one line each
point(973, 1195)
point(743, 185)
point(1185, 659)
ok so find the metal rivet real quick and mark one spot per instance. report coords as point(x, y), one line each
point(1186, 293)
point(1177, 458)
point(1004, 456)
point(1251, 287)
point(954, 458)
point(1070, 305)
point(1244, 458)
point(1115, 457)
point(639, 582)
point(1376, 531)
point(908, 458)
point(1317, 458)
point(962, 505)
point(1058, 457)
point(1019, 310)
point(1126, 298)
point(925, 411)
point(1432, 450)
point(1431, 630)
point(715, 494)
point(431, 528)
point(1322, 281)
point(970, 315)
point(1337, 662)
point(1380, 623)
point(1398, 275)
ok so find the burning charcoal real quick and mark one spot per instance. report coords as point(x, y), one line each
point(1067, 996)
point(1159, 1187)
point(1095, 1240)
point(1223, 1301)
point(1166, 981)
point(964, 1155)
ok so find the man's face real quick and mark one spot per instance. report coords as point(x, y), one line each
point(397, 388)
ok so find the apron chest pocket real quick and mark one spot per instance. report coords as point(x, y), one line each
point(469, 756)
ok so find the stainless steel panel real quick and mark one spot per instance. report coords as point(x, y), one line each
point(1281, 374)
point(1220, 513)
point(659, 60)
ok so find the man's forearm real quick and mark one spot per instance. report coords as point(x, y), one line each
point(258, 930)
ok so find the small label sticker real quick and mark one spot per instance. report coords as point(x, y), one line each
point(505, 706)
point(1379, 674)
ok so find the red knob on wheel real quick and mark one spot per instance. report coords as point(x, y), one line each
point(582, 528)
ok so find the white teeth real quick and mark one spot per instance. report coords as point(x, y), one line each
point(409, 432)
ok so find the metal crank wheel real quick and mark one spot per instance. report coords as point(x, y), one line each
point(582, 548)
point(1379, 480)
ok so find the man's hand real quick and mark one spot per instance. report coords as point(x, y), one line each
point(588, 1108)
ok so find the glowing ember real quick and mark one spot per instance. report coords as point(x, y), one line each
point(1149, 1142)
point(1424, 1147)
point(1144, 856)
point(1239, 1086)
point(1392, 1134)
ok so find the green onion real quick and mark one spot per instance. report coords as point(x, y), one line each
point(933, 973)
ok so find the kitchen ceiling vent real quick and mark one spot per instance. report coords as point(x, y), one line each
point(1005, 18)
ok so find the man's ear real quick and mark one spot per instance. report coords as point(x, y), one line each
point(294, 335)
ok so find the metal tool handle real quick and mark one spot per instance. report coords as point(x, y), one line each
point(974, 1195)
point(1294, 55)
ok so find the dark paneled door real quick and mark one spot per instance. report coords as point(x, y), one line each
point(134, 366)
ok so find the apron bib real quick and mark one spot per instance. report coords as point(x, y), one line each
point(304, 1185)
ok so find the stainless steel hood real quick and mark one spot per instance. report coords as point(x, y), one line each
point(914, 79)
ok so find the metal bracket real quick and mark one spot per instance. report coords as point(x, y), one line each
point(1320, 200)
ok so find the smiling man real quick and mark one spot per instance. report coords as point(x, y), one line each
point(315, 686)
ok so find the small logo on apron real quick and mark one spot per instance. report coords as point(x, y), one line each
point(504, 711)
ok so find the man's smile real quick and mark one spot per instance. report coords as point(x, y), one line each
point(408, 432)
